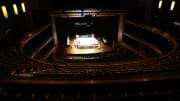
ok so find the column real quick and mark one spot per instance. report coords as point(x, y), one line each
point(53, 24)
point(120, 29)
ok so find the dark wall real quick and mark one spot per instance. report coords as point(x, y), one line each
point(164, 18)
point(177, 9)
point(78, 4)
point(42, 7)
point(11, 28)
point(37, 13)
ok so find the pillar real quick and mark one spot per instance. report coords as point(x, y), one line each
point(120, 29)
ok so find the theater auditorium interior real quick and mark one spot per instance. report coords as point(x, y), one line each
point(89, 50)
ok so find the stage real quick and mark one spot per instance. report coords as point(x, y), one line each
point(90, 45)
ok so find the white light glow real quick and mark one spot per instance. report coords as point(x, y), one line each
point(172, 5)
point(15, 9)
point(89, 42)
point(23, 7)
point(4, 10)
point(68, 40)
point(160, 4)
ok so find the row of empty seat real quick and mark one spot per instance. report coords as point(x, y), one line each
point(25, 78)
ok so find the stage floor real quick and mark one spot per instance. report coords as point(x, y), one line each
point(72, 49)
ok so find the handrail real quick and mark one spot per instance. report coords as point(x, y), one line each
point(40, 47)
point(49, 53)
point(134, 50)
point(157, 31)
point(31, 35)
point(155, 48)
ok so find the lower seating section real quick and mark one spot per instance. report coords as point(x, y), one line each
point(23, 78)
point(146, 91)
point(12, 62)
point(125, 81)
